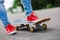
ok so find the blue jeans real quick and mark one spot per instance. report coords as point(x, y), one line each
point(3, 15)
point(27, 6)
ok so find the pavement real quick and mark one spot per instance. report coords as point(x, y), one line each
point(52, 32)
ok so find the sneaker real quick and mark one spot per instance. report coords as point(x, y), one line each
point(10, 29)
point(33, 18)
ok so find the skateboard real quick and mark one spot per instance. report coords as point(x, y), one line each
point(32, 27)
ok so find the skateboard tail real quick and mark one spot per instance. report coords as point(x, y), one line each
point(41, 21)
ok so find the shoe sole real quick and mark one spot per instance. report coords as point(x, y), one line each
point(12, 33)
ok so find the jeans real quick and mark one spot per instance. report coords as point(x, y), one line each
point(3, 15)
point(27, 6)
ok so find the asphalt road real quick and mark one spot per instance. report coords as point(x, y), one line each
point(52, 33)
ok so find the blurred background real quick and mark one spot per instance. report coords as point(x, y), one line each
point(16, 6)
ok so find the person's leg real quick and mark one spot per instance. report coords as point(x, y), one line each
point(31, 16)
point(27, 6)
point(3, 16)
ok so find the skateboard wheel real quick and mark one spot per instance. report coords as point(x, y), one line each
point(17, 28)
point(27, 25)
point(44, 26)
point(31, 29)
point(22, 25)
